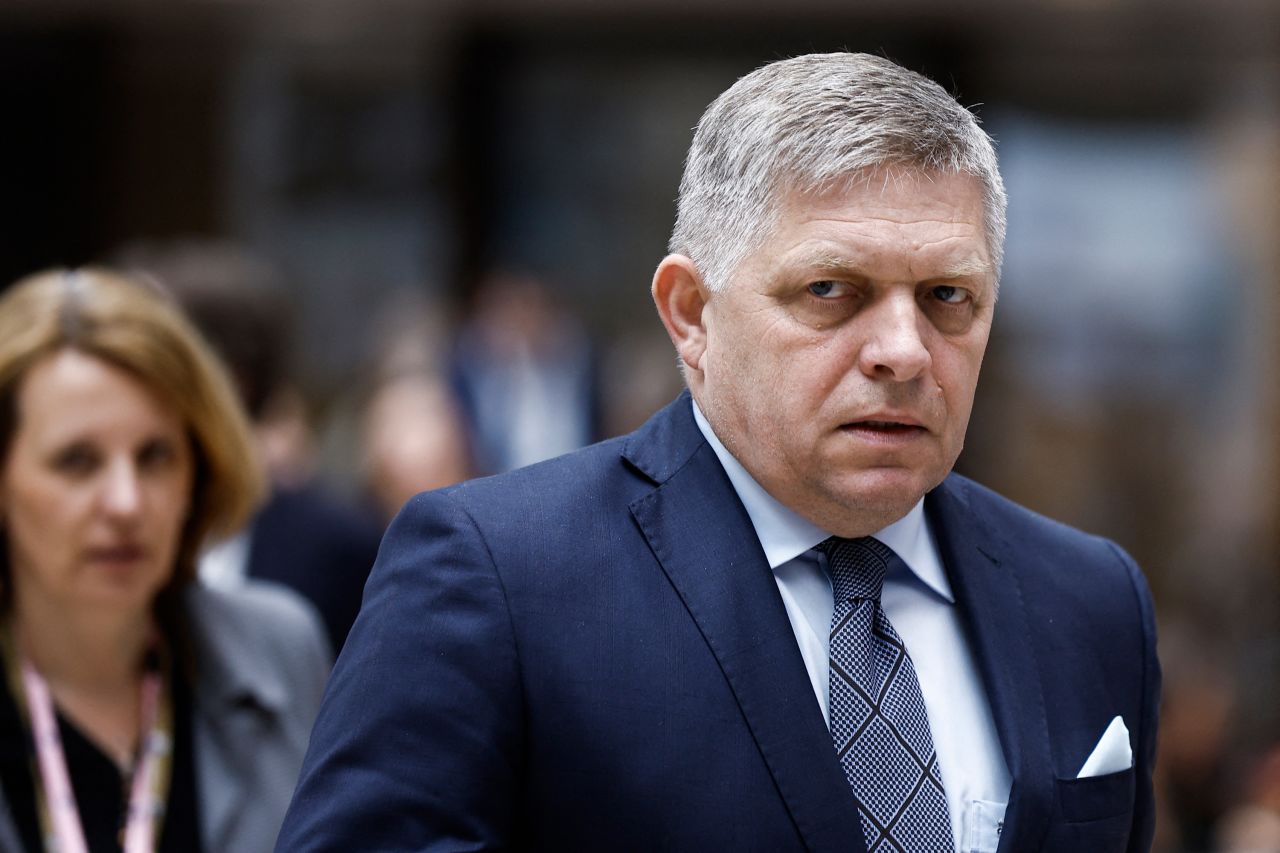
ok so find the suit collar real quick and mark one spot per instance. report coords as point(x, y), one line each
point(665, 442)
point(232, 671)
point(983, 567)
point(701, 536)
point(783, 533)
point(237, 699)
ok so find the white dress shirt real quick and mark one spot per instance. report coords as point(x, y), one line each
point(225, 564)
point(922, 609)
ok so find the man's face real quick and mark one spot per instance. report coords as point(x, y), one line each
point(840, 363)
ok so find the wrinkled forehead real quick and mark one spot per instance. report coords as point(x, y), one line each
point(883, 191)
point(929, 222)
point(789, 191)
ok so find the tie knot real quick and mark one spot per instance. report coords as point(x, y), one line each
point(857, 566)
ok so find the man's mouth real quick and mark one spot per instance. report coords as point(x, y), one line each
point(883, 428)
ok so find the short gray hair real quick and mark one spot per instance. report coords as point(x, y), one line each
point(805, 125)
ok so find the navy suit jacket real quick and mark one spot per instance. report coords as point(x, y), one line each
point(592, 654)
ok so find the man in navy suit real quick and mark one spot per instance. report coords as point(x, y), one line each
point(641, 646)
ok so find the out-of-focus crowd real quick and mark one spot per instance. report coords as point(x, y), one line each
point(175, 579)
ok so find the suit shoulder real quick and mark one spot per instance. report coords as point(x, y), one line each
point(1061, 567)
point(563, 480)
point(597, 480)
point(1013, 521)
point(1052, 543)
point(545, 523)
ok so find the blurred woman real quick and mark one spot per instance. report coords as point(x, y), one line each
point(139, 710)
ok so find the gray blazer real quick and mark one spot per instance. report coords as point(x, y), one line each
point(261, 664)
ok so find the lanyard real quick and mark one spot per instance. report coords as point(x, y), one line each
point(150, 779)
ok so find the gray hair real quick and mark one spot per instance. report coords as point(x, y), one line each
point(806, 125)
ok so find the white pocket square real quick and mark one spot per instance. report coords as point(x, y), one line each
point(1111, 755)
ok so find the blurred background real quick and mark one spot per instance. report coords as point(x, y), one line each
point(447, 215)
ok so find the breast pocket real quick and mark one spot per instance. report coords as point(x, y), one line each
point(1096, 813)
point(1096, 797)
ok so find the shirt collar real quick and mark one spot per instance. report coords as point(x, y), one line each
point(785, 535)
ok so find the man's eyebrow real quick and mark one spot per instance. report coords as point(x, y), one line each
point(827, 261)
point(967, 268)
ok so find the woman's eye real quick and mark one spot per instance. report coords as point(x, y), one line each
point(156, 454)
point(76, 460)
point(824, 289)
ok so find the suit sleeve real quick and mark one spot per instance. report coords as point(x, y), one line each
point(418, 741)
point(1144, 758)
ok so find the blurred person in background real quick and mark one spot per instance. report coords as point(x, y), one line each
point(303, 536)
point(772, 618)
point(141, 710)
point(1253, 825)
point(1195, 780)
point(525, 374)
point(413, 439)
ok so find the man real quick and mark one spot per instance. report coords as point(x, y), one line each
point(692, 637)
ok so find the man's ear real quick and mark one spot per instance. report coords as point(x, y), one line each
point(681, 296)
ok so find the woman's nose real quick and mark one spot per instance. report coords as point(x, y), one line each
point(122, 489)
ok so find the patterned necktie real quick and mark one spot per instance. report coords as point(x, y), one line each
point(878, 720)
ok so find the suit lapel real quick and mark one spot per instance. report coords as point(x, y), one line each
point(704, 540)
point(238, 703)
point(220, 735)
point(984, 577)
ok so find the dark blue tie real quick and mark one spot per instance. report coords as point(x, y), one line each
point(878, 720)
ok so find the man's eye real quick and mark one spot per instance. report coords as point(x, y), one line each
point(824, 289)
point(948, 294)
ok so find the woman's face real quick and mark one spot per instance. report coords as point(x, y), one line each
point(95, 488)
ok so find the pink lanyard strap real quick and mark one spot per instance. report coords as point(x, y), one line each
point(150, 773)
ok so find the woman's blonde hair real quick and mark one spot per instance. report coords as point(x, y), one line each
point(134, 326)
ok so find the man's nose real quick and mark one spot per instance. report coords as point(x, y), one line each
point(122, 489)
point(894, 347)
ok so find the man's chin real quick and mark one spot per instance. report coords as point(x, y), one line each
point(872, 500)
